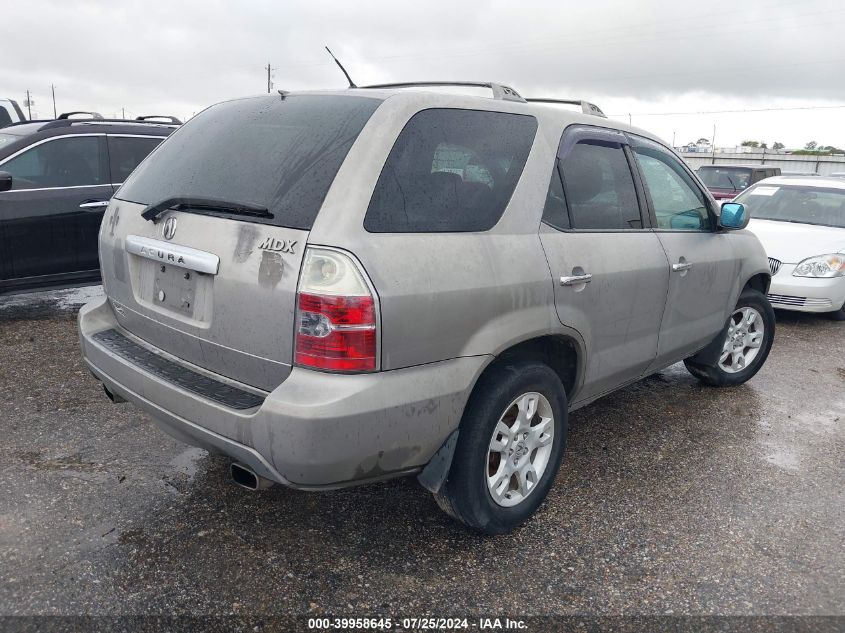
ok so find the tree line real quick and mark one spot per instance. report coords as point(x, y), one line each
point(810, 148)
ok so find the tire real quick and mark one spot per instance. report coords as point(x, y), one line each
point(838, 315)
point(500, 395)
point(725, 371)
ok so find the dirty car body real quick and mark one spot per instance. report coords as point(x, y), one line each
point(208, 324)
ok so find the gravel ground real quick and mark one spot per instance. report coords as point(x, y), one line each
point(673, 498)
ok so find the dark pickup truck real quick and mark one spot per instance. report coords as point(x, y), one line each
point(726, 182)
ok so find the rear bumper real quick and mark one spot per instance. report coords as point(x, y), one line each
point(315, 430)
point(806, 294)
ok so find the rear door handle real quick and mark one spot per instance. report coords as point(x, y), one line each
point(574, 280)
point(681, 267)
point(93, 205)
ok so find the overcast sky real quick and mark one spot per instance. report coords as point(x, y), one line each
point(639, 58)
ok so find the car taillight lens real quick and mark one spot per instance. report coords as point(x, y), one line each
point(336, 320)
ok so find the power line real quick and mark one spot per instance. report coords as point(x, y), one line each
point(829, 107)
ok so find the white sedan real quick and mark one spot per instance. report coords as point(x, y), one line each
point(801, 223)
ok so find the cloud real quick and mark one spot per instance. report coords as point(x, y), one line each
point(651, 55)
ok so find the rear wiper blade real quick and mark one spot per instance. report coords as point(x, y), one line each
point(204, 204)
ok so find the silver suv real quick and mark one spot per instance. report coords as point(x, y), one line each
point(335, 288)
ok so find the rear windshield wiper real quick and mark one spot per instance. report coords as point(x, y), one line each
point(212, 205)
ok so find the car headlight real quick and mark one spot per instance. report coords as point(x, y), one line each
point(821, 266)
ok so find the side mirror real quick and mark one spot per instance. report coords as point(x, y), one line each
point(734, 216)
point(5, 181)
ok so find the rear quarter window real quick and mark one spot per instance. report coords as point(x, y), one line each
point(450, 170)
point(127, 152)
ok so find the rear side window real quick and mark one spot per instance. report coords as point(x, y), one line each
point(127, 152)
point(64, 162)
point(600, 188)
point(450, 171)
point(281, 154)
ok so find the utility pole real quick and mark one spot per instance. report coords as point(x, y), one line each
point(123, 113)
point(29, 105)
point(269, 81)
point(713, 146)
point(53, 89)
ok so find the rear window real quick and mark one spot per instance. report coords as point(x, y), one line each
point(282, 154)
point(732, 178)
point(450, 171)
point(127, 152)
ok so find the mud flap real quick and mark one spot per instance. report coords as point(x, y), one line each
point(433, 476)
point(709, 356)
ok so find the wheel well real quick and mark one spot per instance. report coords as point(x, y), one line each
point(558, 352)
point(759, 282)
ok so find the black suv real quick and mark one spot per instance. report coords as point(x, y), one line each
point(56, 178)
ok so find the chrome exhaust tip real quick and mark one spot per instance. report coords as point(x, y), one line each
point(245, 477)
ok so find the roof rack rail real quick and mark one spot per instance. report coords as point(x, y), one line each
point(28, 121)
point(148, 117)
point(500, 91)
point(55, 123)
point(91, 115)
point(586, 106)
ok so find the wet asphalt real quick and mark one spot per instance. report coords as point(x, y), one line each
point(674, 498)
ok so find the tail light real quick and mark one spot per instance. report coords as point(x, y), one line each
point(336, 315)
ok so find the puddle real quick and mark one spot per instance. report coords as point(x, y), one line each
point(47, 303)
point(187, 462)
point(783, 457)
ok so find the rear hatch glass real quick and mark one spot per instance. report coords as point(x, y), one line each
point(725, 178)
point(270, 152)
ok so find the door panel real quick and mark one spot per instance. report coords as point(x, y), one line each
point(610, 274)
point(45, 232)
point(618, 312)
point(696, 308)
point(702, 265)
point(51, 216)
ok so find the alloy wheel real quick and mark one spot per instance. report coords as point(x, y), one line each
point(746, 332)
point(520, 448)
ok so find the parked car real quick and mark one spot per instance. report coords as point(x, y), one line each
point(10, 112)
point(56, 178)
point(340, 287)
point(801, 223)
point(726, 182)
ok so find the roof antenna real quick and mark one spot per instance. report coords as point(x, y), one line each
point(348, 78)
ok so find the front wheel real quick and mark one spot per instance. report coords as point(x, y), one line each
point(510, 445)
point(748, 340)
point(838, 315)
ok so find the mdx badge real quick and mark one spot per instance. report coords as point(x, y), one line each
point(281, 246)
